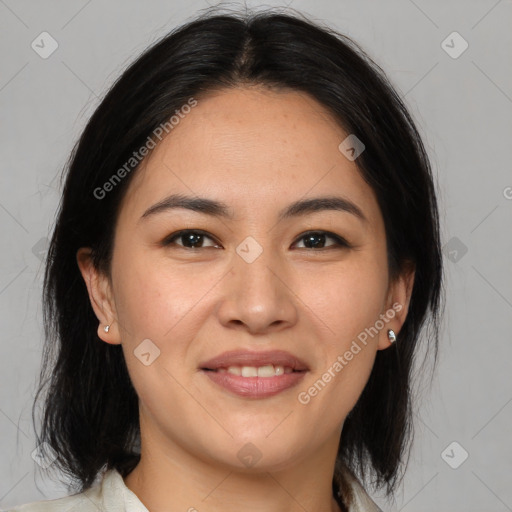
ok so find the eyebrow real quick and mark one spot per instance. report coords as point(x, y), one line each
point(219, 209)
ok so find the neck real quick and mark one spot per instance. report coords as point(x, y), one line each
point(174, 480)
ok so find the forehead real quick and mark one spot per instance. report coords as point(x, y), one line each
point(252, 147)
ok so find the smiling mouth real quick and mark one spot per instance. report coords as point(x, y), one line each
point(265, 371)
point(254, 382)
point(254, 375)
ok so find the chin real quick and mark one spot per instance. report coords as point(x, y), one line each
point(259, 452)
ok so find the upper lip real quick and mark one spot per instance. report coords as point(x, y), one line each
point(257, 359)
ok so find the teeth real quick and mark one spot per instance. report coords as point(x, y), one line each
point(268, 370)
point(249, 371)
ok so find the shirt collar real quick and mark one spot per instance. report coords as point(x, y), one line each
point(117, 497)
point(352, 493)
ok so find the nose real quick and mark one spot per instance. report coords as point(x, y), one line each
point(256, 296)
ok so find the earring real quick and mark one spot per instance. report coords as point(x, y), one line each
point(106, 328)
point(391, 336)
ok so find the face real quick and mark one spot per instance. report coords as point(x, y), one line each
point(250, 326)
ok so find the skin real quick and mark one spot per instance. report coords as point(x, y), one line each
point(257, 151)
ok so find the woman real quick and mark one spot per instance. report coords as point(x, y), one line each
point(245, 256)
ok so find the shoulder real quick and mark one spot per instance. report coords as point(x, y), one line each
point(82, 502)
point(110, 490)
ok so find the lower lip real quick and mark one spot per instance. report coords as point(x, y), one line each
point(255, 387)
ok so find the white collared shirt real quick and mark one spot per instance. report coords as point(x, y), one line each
point(112, 495)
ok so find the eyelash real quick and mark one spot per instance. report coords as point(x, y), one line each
point(339, 241)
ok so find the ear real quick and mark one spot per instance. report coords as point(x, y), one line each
point(397, 304)
point(100, 295)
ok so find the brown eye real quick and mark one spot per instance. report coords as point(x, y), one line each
point(317, 240)
point(189, 239)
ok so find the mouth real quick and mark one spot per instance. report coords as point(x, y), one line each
point(255, 374)
point(266, 371)
point(252, 364)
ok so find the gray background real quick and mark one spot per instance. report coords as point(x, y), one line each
point(463, 109)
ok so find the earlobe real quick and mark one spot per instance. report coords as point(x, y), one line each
point(109, 334)
point(397, 307)
point(100, 296)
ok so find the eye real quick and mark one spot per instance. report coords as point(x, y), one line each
point(195, 238)
point(316, 240)
point(190, 239)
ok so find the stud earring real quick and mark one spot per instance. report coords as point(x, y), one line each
point(106, 328)
point(391, 336)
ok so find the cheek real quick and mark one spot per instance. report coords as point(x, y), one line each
point(347, 300)
point(151, 301)
point(157, 305)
